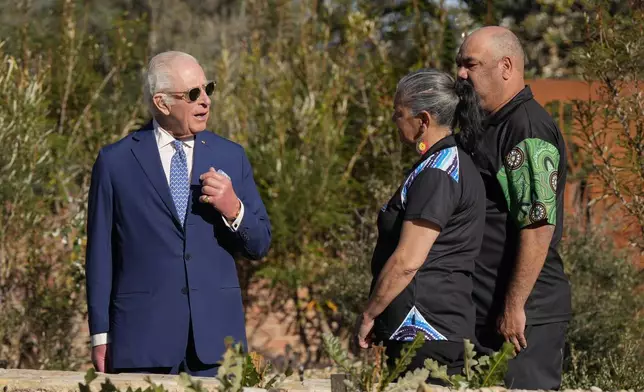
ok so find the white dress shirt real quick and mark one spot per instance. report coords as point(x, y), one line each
point(166, 151)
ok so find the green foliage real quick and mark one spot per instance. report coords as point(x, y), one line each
point(239, 369)
point(315, 131)
point(307, 88)
point(188, 384)
point(40, 279)
point(371, 373)
point(611, 125)
point(482, 372)
point(606, 333)
point(60, 101)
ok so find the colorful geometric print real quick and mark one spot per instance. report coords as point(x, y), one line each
point(528, 178)
point(415, 323)
point(445, 160)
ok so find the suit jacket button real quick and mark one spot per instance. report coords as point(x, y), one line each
point(184, 291)
point(188, 256)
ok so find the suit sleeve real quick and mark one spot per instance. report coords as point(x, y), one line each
point(98, 264)
point(255, 228)
point(433, 196)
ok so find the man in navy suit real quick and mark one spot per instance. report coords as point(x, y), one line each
point(169, 207)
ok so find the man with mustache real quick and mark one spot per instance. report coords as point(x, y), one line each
point(521, 292)
point(169, 206)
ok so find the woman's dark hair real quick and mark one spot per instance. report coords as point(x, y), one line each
point(451, 103)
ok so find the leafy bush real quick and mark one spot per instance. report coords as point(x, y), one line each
point(610, 126)
point(40, 277)
point(185, 381)
point(237, 370)
point(606, 334)
point(57, 107)
point(316, 131)
point(307, 88)
point(371, 373)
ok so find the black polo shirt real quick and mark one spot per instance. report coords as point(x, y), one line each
point(443, 187)
point(523, 165)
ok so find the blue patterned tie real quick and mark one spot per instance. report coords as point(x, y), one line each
point(179, 180)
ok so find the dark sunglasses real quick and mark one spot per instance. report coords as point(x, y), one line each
point(194, 93)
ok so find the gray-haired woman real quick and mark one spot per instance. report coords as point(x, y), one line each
point(430, 231)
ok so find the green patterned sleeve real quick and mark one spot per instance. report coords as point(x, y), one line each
point(528, 177)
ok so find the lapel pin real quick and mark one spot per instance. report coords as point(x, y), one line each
point(203, 142)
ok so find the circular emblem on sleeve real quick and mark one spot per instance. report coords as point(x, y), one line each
point(537, 212)
point(514, 159)
point(554, 176)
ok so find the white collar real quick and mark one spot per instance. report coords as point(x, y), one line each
point(164, 137)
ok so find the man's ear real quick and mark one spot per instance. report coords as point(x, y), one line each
point(161, 104)
point(507, 67)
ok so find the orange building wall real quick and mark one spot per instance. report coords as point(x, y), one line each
point(582, 192)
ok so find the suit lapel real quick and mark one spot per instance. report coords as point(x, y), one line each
point(146, 153)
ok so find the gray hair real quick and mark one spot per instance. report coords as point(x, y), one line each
point(429, 90)
point(158, 76)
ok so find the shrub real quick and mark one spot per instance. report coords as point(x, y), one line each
point(237, 370)
point(40, 277)
point(57, 107)
point(371, 373)
point(607, 330)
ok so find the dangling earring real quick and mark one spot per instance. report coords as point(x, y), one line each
point(421, 147)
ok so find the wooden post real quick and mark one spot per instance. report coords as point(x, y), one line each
point(337, 383)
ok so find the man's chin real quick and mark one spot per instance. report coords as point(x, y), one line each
point(198, 128)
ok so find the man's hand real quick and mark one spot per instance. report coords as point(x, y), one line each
point(218, 192)
point(512, 327)
point(364, 327)
point(100, 357)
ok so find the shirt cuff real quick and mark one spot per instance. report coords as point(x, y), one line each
point(100, 339)
point(235, 225)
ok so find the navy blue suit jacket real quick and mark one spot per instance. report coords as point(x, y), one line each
point(148, 277)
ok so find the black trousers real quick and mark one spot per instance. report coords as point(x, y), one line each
point(450, 354)
point(538, 366)
point(191, 364)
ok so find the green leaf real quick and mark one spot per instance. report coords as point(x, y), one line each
point(498, 366)
point(410, 381)
point(460, 382)
point(251, 376)
point(231, 369)
point(437, 371)
point(90, 376)
point(400, 364)
point(341, 358)
point(483, 362)
point(289, 371)
point(469, 360)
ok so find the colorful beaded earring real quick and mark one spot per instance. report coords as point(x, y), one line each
point(421, 147)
